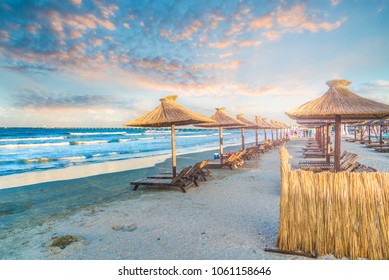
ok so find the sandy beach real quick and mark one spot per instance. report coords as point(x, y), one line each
point(234, 215)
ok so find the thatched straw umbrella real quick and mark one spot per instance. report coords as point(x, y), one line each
point(338, 104)
point(222, 119)
point(248, 124)
point(262, 124)
point(169, 113)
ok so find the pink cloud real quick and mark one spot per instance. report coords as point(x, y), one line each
point(76, 2)
point(186, 34)
point(249, 43)
point(4, 36)
point(221, 44)
point(263, 22)
point(296, 19)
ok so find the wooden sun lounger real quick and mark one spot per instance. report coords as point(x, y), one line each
point(309, 162)
point(346, 163)
point(178, 181)
point(199, 170)
point(382, 150)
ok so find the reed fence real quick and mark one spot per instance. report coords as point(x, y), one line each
point(345, 214)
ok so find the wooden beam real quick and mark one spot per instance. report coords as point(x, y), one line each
point(256, 137)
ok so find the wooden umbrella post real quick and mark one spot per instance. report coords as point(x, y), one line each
point(355, 133)
point(221, 144)
point(264, 132)
point(328, 150)
point(338, 138)
point(272, 137)
point(174, 164)
point(324, 140)
point(369, 133)
point(256, 137)
point(381, 135)
point(242, 132)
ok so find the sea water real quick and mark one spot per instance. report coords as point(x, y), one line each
point(35, 149)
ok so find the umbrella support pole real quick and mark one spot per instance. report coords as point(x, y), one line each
point(221, 145)
point(328, 150)
point(174, 164)
point(338, 139)
point(242, 132)
point(264, 132)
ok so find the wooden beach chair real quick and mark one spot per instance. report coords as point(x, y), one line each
point(234, 160)
point(179, 181)
point(346, 163)
point(199, 170)
point(309, 162)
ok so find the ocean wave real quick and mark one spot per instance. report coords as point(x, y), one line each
point(97, 133)
point(73, 158)
point(31, 139)
point(39, 160)
point(21, 146)
point(97, 155)
point(192, 136)
point(145, 138)
point(88, 142)
point(132, 134)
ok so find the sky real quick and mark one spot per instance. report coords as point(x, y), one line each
point(97, 63)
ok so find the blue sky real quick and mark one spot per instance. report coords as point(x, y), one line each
point(102, 63)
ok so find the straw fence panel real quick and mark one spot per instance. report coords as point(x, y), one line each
point(344, 214)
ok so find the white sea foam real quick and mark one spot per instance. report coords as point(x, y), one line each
point(97, 133)
point(88, 142)
point(31, 139)
point(21, 146)
point(73, 158)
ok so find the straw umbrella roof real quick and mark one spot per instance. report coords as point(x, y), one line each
point(261, 123)
point(168, 113)
point(274, 124)
point(269, 125)
point(248, 123)
point(222, 118)
point(339, 100)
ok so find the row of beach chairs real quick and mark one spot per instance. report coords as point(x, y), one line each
point(237, 159)
point(192, 175)
point(348, 163)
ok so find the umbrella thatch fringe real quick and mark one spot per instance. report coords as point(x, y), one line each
point(344, 214)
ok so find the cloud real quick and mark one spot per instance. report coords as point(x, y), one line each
point(76, 2)
point(249, 43)
point(233, 64)
point(37, 99)
point(377, 89)
point(272, 35)
point(334, 2)
point(186, 34)
point(265, 22)
point(221, 44)
point(296, 19)
point(4, 36)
